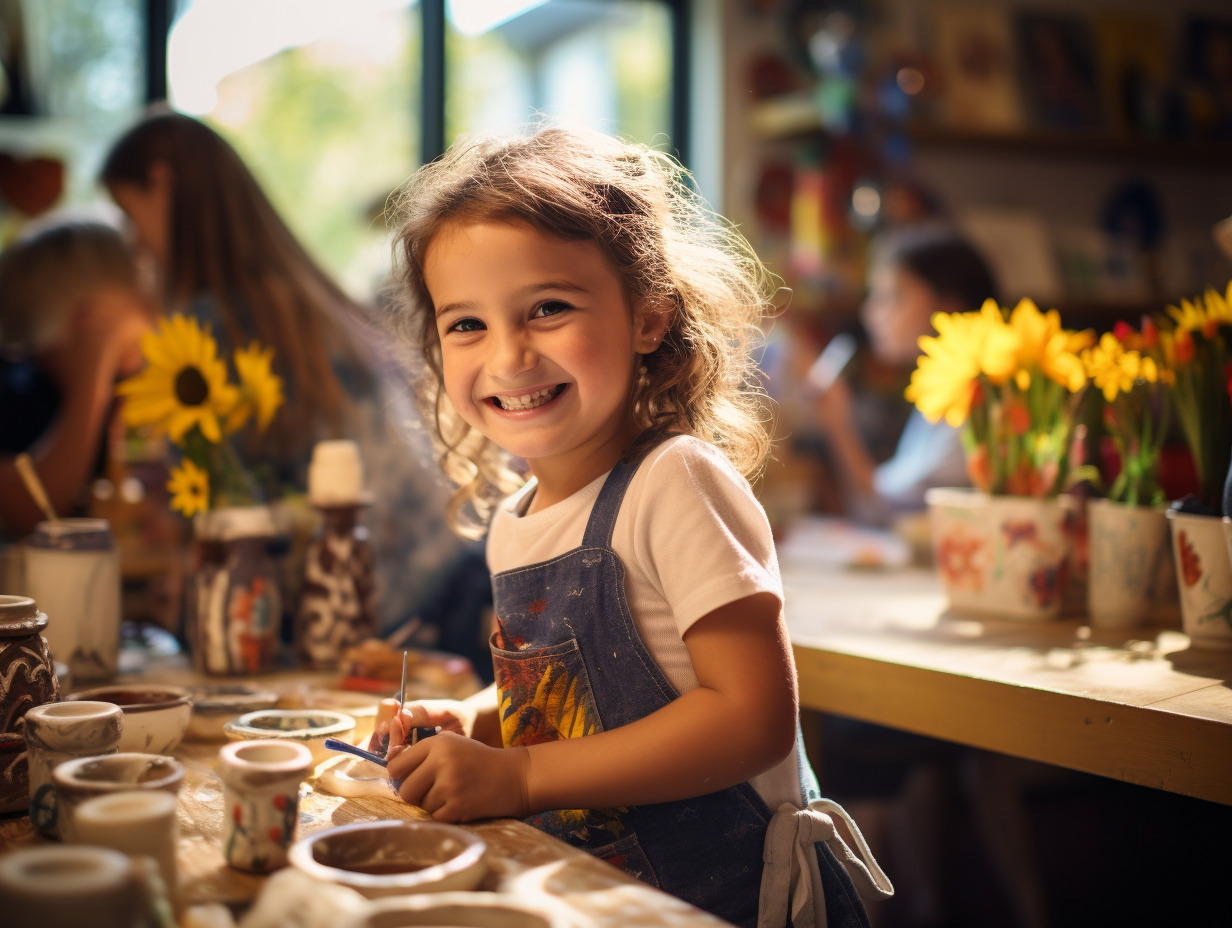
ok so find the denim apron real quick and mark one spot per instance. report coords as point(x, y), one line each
point(568, 663)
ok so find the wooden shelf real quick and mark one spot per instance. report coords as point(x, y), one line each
point(796, 117)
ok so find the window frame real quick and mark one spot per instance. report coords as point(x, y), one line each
point(432, 142)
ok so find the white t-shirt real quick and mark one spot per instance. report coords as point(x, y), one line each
point(692, 537)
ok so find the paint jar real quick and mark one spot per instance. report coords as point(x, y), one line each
point(261, 782)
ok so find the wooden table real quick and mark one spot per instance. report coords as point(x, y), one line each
point(879, 645)
point(577, 887)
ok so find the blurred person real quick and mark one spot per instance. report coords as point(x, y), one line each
point(71, 321)
point(226, 257)
point(915, 272)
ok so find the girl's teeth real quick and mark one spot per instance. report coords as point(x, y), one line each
point(527, 400)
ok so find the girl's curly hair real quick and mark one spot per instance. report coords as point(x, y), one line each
point(667, 247)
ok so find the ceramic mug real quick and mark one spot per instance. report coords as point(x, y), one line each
point(60, 731)
point(261, 781)
point(71, 886)
point(138, 823)
point(77, 781)
point(73, 572)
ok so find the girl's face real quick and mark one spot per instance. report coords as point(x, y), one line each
point(539, 347)
point(148, 208)
point(897, 312)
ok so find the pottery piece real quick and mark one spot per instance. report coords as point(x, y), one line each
point(1204, 578)
point(360, 706)
point(473, 910)
point(27, 678)
point(77, 781)
point(73, 573)
point(214, 706)
point(155, 716)
point(261, 800)
point(1129, 545)
point(1002, 556)
point(308, 727)
point(136, 822)
point(393, 857)
point(60, 731)
point(71, 886)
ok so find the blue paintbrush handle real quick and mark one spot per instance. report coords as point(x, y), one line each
point(335, 745)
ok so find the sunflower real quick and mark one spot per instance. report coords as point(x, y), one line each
point(183, 384)
point(190, 488)
point(260, 389)
point(944, 381)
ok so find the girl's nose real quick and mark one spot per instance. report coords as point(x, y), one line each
point(512, 355)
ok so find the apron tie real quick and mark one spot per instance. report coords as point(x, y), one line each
point(791, 873)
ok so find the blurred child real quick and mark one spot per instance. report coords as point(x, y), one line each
point(916, 272)
point(226, 256)
point(578, 309)
point(71, 320)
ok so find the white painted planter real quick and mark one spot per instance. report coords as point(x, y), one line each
point(1002, 556)
point(1131, 563)
point(1204, 578)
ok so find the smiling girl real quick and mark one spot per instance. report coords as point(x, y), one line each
point(579, 311)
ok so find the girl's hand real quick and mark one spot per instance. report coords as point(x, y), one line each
point(458, 779)
point(445, 714)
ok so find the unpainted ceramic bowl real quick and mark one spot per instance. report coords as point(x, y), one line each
point(83, 778)
point(216, 705)
point(309, 727)
point(360, 706)
point(155, 715)
point(466, 910)
point(394, 857)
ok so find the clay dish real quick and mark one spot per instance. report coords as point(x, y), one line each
point(393, 857)
point(155, 715)
point(215, 706)
point(466, 910)
point(309, 727)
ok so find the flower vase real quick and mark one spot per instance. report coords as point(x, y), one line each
point(1002, 556)
point(1130, 566)
point(234, 607)
point(1200, 546)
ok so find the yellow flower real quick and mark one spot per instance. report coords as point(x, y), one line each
point(1111, 368)
point(944, 379)
point(183, 384)
point(1219, 308)
point(260, 389)
point(998, 343)
point(1189, 317)
point(190, 488)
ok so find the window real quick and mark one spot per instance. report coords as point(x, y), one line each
point(333, 103)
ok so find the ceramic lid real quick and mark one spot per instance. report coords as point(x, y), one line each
point(19, 615)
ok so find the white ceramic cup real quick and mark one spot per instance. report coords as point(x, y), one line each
point(70, 886)
point(138, 823)
point(60, 731)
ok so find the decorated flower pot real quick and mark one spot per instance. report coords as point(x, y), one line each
point(1204, 577)
point(1130, 566)
point(1002, 556)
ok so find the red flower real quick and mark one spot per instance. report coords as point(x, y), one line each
point(280, 802)
point(1150, 333)
point(276, 835)
point(237, 814)
point(1184, 347)
point(1020, 418)
point(1191, 564)
point(1122, 331)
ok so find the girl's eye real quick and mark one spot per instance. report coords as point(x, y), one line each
point(466, 325)
point(552, 308)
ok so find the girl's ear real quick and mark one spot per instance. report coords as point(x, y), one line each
point(650, 325)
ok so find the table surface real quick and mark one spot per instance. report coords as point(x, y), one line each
point(578, 888)
point(878, 644)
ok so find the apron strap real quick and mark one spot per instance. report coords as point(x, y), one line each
point(602, 521)
point(791, 874)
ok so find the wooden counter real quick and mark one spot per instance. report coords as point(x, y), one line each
point(522, 859)
point(1140, 706)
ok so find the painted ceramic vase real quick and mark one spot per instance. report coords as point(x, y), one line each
point(27, 679)
point(1002, 556)
point(234, 607)
point(261, 782)
point(73, 573)
point(60, 731)
point(1131, 564)
point(1204, 578)
point(337, 605)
